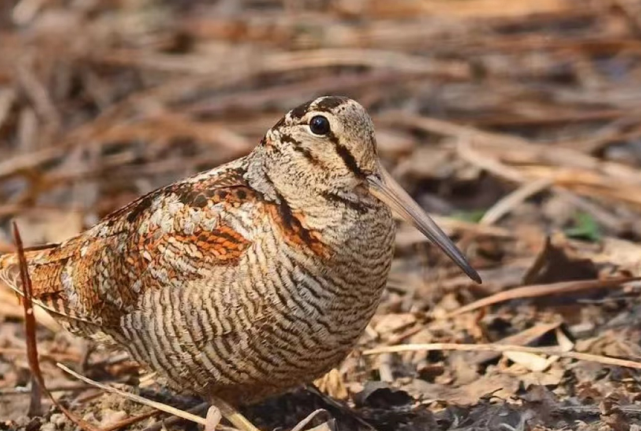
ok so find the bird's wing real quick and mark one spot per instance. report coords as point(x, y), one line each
point(170, 236)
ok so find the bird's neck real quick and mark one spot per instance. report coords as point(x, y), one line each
point(322, 207)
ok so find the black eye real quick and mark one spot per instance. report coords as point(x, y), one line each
point(319, 125)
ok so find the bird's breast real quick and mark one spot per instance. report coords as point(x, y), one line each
point(315, 306)
point(291, 308)
point(330, 289)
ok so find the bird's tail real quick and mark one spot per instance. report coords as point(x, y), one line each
point(10, 272)
point(43, 295)
point(43, 315)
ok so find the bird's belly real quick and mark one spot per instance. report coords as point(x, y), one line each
point(269, 324)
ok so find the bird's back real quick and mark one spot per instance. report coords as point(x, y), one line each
point(164, 238)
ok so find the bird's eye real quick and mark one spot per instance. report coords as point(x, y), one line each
point(319, 125)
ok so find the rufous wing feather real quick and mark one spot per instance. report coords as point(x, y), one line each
point(166, 237)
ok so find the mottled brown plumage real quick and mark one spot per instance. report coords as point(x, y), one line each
point(246, 280)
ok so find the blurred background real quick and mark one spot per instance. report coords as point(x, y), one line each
point(101, 101)
point(515, 122)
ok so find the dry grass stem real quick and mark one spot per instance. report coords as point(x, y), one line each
point(505, 348)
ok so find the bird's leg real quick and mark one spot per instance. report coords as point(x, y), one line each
point(87, 348)
point(231, 414)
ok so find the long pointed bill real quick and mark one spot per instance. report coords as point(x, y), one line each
point(388, 191)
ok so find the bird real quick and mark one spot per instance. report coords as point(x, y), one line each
point(246, 280)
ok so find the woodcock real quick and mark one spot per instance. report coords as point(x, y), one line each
point(248, 279)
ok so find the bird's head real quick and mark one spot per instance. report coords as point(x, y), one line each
point(327, 147)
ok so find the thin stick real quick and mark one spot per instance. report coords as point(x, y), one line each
point(503, 348)
point(30, 330)
point(512, 200)
point(130, 421)
point(233, 416)
point(172, 420)
point(539, 290)
point(55, 357)
point(23, 392)
point(37, 385)
point(136, 398)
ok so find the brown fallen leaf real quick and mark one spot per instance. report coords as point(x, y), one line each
point(523, 338)
point(497, 384)
point(332, 384)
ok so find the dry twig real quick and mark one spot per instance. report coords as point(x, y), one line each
point(505, 348)
point(30, 329)
point(540, 290)
point(141, 400)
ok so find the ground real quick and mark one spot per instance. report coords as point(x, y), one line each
point(516, 124)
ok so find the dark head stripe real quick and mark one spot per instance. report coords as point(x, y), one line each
point(328, 104)
point(349, 160)
point(325, 104)
point(300, 111)
point(347, 156)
